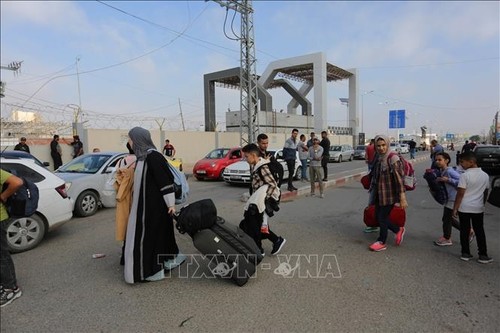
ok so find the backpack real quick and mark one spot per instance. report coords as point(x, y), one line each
point(409, 180)
point(181, 186)
point(24, 202)
point(276, 170)
point(196, 216)
point(437, 189)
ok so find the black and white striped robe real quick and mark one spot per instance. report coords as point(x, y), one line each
point(150, 236)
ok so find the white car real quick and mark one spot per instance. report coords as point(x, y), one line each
point(54, 205)
point(239, 172)
point(405, 149)
point(89, 181)
point(395, 147)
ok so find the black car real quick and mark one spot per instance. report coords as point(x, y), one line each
point(18, 154)
point(488, 158)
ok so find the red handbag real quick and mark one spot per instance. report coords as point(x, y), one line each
point(397, 216)
point(366, 181)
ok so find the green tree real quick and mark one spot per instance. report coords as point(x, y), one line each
point(475, 138)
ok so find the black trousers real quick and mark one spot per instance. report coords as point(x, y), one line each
point(291, 170)
point(251, 226)
point(324, 164)
point(448, 222)
point(477, 220)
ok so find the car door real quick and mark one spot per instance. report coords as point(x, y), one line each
point(279, 157)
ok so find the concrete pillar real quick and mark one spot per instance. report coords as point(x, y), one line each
point(353, 105)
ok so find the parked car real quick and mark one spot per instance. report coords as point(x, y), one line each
point(176, 162)
point(88, 178)
point(395, 146)
point(488, 158)
point(405, 149)
point(54, 206)
point(339, 153)
point(212, 166)
point(17, 154)
point(360, 152)
point(239, 172)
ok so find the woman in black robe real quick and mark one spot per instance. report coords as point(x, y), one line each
point(150, 241)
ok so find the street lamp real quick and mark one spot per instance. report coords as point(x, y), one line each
point(362, 109)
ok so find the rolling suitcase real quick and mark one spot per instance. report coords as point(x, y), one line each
point(233, 253)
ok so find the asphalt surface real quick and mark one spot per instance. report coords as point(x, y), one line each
point(325, 278)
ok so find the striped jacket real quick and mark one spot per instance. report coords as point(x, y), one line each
point(388, 183)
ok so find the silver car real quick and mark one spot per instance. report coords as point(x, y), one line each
point(89, 180)
point(360, 152)
point(339, 153)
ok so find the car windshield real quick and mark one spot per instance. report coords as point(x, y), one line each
point(217, 153)
point(335, 148)
point(85, 164)
point(360, 148)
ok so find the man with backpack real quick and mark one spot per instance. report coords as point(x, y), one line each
point(264, 200)
point(9, 289)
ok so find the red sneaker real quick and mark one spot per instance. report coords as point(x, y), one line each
point(378, 246)
point(399, 236)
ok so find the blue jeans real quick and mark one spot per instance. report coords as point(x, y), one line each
point(412, 153)
point(304, 168)
point(7, 271)
point(382, 214)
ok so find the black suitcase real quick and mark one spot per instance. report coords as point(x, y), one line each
point(232, 253)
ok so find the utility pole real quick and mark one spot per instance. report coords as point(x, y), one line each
point(496, 139)
point(14, 66)
point(79, 110)
point(248, 72)
point(182, 117)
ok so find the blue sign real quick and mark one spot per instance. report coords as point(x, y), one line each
point(450, 136)
point(397, 118)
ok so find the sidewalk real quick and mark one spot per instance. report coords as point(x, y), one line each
point(305, 188)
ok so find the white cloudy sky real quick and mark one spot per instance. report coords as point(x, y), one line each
point(437, 60)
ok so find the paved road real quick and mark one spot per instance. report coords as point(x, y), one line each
point(417, 287)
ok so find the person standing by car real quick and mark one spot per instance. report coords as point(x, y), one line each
point(325, 143)
point(303, 155)
point(290, 155)
point(150, 237)
point(389, 190)
point(22, 146)
point(315, 169)
point(413, 145)
point(77, 146)
point(9, 290)
point(56, 152)
point(168, 149)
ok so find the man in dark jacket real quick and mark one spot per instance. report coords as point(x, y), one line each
point(22, 146)
point(325, 143)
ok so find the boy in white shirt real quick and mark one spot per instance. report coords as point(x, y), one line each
point(472, 192)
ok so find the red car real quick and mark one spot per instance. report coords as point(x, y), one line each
point(212, 166)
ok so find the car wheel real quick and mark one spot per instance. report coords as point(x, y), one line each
point(298, 174)
point(340, 159)
point(351, 158)
point(86, 204)
point(25, 233)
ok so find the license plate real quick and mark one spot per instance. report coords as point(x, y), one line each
point(201, 172)
point(236, 177)
point(490, 159)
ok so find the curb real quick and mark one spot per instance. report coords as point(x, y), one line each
point(336, 182)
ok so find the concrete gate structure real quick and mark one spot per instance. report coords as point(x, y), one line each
point(311, 70)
